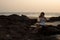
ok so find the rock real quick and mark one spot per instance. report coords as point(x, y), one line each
point(53, 19)
point(15, 27)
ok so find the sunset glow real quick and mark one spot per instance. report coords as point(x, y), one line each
point(29, 5)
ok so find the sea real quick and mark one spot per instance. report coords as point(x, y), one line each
point(31, 14)
point(35, 15)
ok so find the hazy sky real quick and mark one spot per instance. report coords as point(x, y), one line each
point(29, 5)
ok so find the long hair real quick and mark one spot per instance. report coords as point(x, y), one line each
point(42, 13)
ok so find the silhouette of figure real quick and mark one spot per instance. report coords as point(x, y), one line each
point(42, 19)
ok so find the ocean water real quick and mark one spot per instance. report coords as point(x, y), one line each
point(34, 14)
point(53, 23)
point(31, 14)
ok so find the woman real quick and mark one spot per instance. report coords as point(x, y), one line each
point(42, 20)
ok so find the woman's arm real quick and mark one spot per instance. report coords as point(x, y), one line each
point(45, 19)
point(38, 20)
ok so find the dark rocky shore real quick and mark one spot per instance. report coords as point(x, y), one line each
point(15, 27)
point(54, 19)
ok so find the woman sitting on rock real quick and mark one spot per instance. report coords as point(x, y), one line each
point(42, 20)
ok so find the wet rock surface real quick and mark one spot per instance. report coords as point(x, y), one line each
point(15, 27)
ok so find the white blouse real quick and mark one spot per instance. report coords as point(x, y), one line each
point(41, 21)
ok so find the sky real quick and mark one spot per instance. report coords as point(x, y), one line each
point(29, 5)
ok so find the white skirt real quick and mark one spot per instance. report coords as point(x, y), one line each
point(41, 23)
